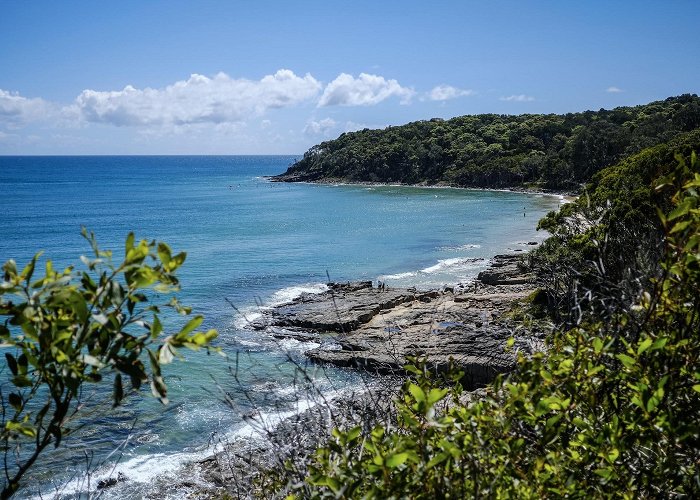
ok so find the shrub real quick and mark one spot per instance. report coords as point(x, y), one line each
point(67, 329)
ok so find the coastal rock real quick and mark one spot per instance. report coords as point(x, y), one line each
point(379, 329)
point(505, 270)
point(342, 309)
point(468, 332)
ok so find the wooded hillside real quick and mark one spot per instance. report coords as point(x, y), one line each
point(543, 151)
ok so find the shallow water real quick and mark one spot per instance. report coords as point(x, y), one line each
point(254, 243)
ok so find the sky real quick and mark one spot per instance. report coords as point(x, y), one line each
point(277, 77)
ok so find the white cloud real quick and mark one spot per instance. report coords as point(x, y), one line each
point(447, 92)
point(16, 110)
point(518, 98)
point(366, 90)
point(613, 90)
point(321, 127)
point(199, 99)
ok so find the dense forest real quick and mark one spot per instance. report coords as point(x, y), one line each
point(526, 151)
point(609, 410)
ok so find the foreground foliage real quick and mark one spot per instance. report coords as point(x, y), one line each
point(545, 151)
point(611, 410)
point(608, 244)
point(68, 329)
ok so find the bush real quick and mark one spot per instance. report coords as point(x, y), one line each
point(67, 329)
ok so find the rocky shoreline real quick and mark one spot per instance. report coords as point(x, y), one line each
point(377, 328)
point(374, 329)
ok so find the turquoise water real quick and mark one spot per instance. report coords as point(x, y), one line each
point(249, 241)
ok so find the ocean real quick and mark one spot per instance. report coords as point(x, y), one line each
point(250, 243)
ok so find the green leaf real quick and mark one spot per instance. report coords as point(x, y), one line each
point(680, 226)
point(164, 253)
point(396, 459)
point(24, 428)
point(438, 459)
point(156, 327)
point(659, 344)
point(416, 392)
point(129, 243)
point(436, 395)
point(191, 325)
point(644, 345)
point(11, 363)
point(15, 401)
point(605, 472)
point(28, 270)
point(176, 261)
point(353, 433)
point(628, 361)
point(21, 381)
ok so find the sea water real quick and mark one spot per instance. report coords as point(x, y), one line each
point(250, 244)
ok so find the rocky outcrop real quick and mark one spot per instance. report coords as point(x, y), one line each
point(379, 329)
point(342, 309)
point(505, 270)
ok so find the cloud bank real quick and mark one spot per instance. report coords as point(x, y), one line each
point(365, 90)
point(199, 99)
point(613, 90)
point(17, 111)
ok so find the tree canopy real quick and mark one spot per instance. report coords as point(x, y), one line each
point(546, 151)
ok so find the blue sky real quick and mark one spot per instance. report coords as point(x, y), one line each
point(269, 77)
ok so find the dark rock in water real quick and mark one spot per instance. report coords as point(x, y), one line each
point(106, 483)
point(532, 243)
point(110, 481)
point(505, 270)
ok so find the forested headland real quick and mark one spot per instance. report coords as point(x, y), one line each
point(535, 151)
point(610, 407)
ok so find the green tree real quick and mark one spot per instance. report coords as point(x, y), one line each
point(68, 328)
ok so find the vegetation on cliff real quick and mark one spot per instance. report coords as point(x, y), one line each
point(610, 240)
point(610, 410)
point(498, 151)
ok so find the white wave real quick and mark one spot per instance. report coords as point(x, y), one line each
point(263, 421)
point(284, 296)
point(249, 343)
point(137, 469)
point(297, 345)
point(398, 276)
point(246, 316)
point(287, 295)
point(449, 264)
point(142, 471)
point(460, 248)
